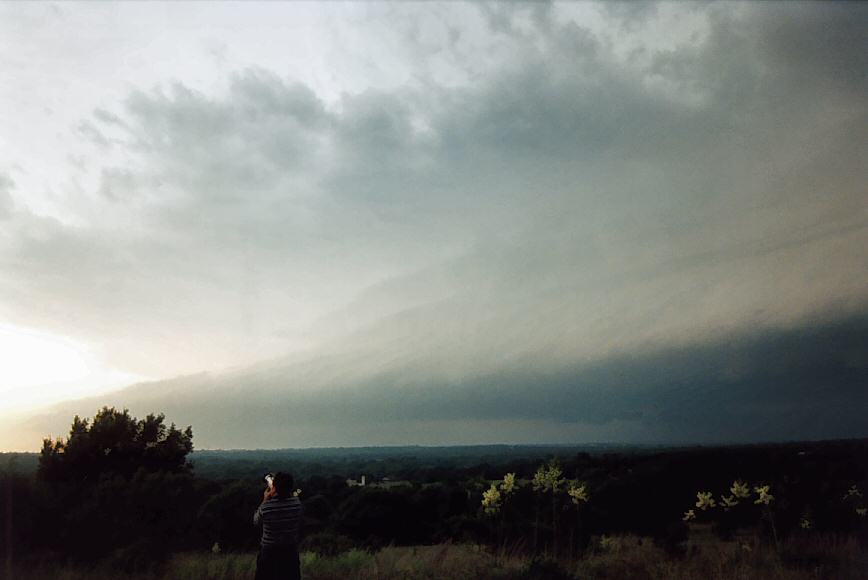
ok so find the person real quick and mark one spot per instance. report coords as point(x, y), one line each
point(279, 515)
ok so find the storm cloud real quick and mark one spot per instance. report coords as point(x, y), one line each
point(785, 384)
point(551, 222)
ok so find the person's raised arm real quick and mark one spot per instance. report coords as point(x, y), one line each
point(257, 515)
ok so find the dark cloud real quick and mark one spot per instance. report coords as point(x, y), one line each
point(791, 383)
point(816, 46)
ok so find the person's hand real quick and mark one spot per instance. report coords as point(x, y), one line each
point(269, 493)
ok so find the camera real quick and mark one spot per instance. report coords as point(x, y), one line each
point(269, 479)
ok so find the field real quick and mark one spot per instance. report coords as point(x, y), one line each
point(609, 558)
point(776, 511)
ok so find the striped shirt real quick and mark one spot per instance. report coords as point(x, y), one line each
point(280, 519)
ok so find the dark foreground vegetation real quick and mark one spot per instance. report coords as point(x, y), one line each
point(624, 558)
point(127, 497)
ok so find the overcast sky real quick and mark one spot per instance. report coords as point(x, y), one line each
point(437, 222)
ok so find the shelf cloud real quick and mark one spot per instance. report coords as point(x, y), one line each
point(502, 223)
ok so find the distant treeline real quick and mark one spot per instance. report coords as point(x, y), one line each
point(411, 462)
point(129, 491)
point(395, 461)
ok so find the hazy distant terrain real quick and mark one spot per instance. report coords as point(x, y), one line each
point(356, 461)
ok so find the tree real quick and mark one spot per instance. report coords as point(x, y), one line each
point(115, 443)
point(549, 479)
point(128, 492)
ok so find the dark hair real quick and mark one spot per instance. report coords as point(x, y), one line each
point(284, 483)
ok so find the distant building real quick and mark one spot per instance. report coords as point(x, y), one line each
point(385, 483)
point(388, 483)
point(354, 483)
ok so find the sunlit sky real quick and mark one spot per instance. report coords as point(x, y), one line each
point(41, 368)
point(435, 222)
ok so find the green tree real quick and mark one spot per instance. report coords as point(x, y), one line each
point(549, 479)
point(128, 492)
point(115, 443)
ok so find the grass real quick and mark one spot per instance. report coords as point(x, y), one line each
point(455, 562)
point(817, 557)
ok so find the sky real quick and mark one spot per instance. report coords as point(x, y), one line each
point(306, 224)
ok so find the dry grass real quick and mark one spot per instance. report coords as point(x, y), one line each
point(456, 562)
point(800, 559)
point(619, 558)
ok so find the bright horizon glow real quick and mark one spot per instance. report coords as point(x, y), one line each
point(39, 368)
